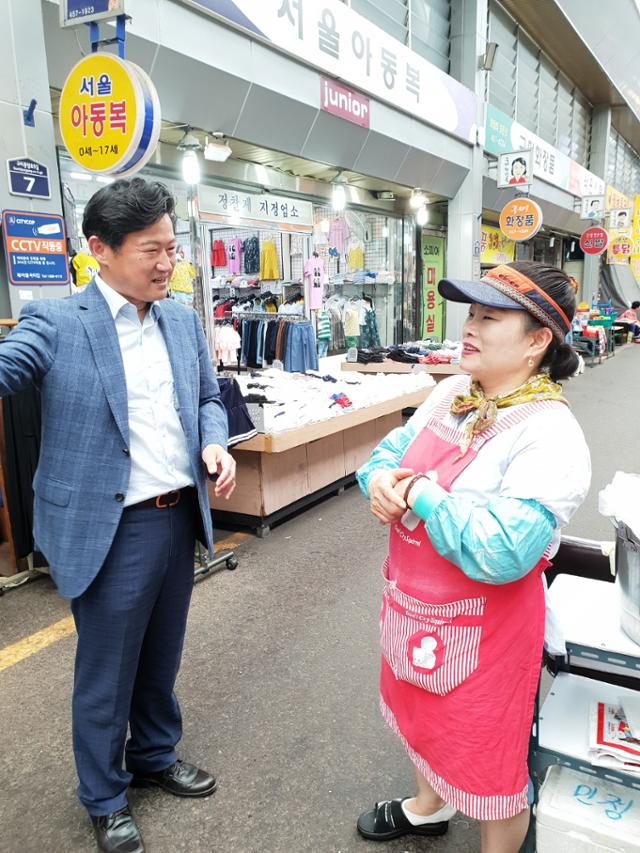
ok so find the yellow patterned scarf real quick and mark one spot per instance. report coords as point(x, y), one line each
point(539, 387)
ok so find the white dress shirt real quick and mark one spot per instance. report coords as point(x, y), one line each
point(159, 455)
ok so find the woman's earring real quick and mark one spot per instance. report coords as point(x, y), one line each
point(531, 362)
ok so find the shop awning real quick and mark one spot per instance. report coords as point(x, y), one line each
point(617, 283)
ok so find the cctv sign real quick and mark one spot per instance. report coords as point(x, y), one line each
point(36, 248)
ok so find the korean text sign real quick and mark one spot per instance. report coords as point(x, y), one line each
point(74, 12)
point(234, 207)
point(520, 219)
point(329, 35)
point(35, 246)
point(432, 272)
point(109, 115)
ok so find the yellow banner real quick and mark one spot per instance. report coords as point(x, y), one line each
point(620, 245)
point(635, 236)
point(615, 200)
point(495, 248)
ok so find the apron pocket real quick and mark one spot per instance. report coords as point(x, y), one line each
point(432, 646)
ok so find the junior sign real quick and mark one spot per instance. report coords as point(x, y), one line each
point(343, 102)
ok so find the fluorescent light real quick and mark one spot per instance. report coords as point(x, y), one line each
point(417, 199)
point(219, 152)
point(190, 167)
point(339, 197)
point(234, 218)
point(422, 215)
point(104, 179)
point(325, 226)
point(552, 242)
point(573, 245)
point(80, 176)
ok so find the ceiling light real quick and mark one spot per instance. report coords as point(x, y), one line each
point(325, 226)
point(573, 245)
point(552, 242)
point(218, 151)
point(80, 176)
point(385, 231)
point(422, 215)
point(190, 167)
point(488, 60)
point(234, 218)
point(104, 179)
point(189, 145)
point(417, 199)
point(338, 197)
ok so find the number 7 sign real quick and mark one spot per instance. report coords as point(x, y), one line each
point(28, 178)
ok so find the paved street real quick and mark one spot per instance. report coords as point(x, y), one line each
point(278, 682)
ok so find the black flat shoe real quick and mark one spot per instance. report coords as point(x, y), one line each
point(180, 779)
point(117, 833)
point(387, 820)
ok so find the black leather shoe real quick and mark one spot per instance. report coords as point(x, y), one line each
point(180, 779)
point(118, 833)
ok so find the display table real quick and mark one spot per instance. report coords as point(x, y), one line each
point(438, 371)
point(278, 474)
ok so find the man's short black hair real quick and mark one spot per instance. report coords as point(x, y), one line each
point(635, 305)
point(126, 206)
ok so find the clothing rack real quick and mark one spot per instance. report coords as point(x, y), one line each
point(270, 315)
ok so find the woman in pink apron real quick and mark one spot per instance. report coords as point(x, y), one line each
point(476, 488)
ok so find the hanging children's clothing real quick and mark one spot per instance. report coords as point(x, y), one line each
point(85, 267)
point(339, 234)
point(269, 262)
point(315, 276)
point(218, 255)
point(324, 333)
point(355, 258)
point(251, 249)
point(234, 255)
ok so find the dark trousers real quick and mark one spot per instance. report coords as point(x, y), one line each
point(131, 623)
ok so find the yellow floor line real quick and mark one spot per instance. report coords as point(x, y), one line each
point(36, 642)
point(13, 654)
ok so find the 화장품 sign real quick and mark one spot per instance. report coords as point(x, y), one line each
point(109, 115)
point(35, 246)
point(520, 219)
point(515, 169)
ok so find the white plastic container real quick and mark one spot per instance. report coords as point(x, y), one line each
point(578, 813)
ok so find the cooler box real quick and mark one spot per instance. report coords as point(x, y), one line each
point(578, 813)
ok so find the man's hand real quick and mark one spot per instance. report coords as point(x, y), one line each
point(386, 504)
point(222, 465)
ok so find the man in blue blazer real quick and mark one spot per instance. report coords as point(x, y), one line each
point(132, 424)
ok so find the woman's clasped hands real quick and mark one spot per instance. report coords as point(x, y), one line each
point(386, 493)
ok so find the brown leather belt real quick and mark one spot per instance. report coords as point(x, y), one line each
point(165, 501)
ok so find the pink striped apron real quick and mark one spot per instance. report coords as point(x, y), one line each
point(461, 659)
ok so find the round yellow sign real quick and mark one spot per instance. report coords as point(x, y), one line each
point(108, 114)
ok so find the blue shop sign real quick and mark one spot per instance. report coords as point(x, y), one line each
point(28, 177)
point(36, 248)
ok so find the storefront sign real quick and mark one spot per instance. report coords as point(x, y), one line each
point(343, 102)
point(616, 200)
point(620, 246)
point(494, 247)
point(635, 236)
point(29, 178)
point(503, 134)
point(432, 272)
point(224, 205)
point(594, 240)
point(74, 12)
point(620, 219)
point(520, 219)
point(35, 246)
point(592, 207)
point(332, 37)
point(515, 169)
point(109, 115)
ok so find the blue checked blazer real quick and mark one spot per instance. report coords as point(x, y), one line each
point(69, 349)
